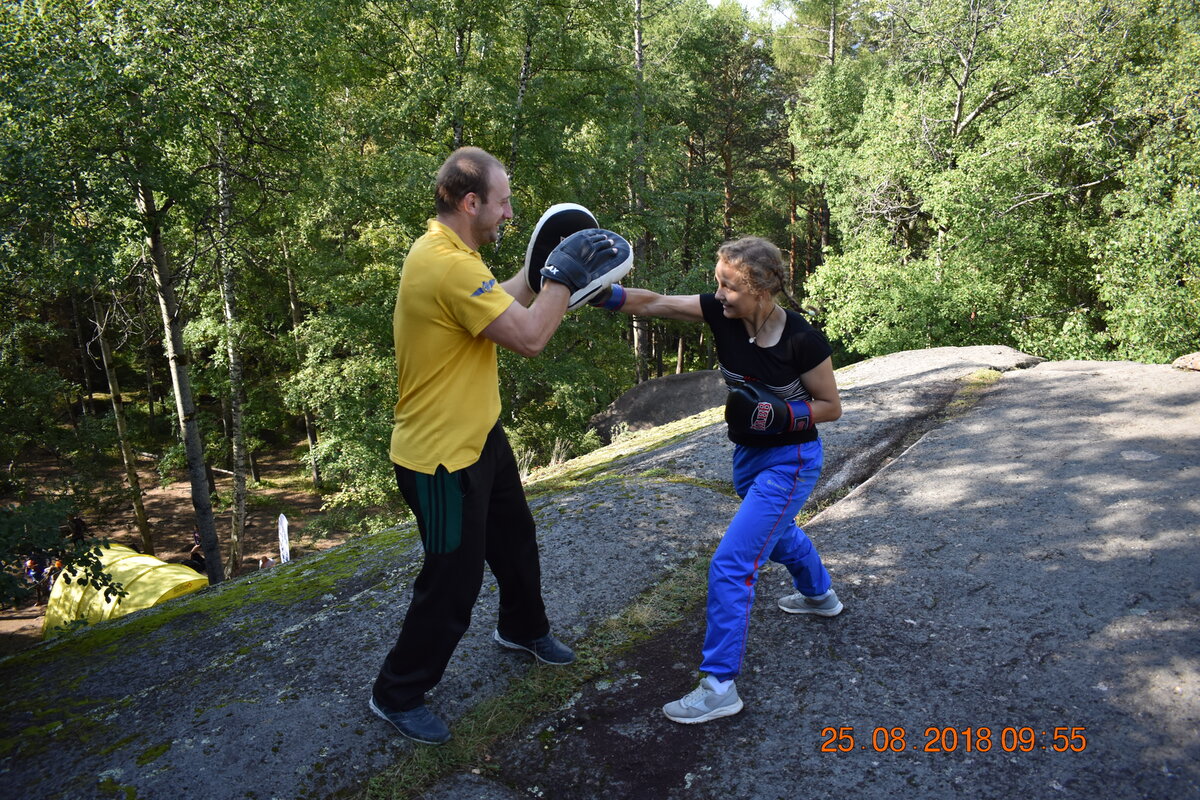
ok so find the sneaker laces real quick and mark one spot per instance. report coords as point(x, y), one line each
point(695, 698)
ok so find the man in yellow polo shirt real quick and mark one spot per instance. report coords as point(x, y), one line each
point(453, 463)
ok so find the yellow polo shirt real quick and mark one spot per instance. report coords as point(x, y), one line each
point(447, 373)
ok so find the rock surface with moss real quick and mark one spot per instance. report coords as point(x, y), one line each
point(257, 688)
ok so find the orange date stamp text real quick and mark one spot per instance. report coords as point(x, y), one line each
point(945, 739)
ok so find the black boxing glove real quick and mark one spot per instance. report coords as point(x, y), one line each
point(751, 407)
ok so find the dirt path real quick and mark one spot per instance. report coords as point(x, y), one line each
point(169, 510)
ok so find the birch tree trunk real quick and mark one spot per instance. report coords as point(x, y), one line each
point(185, 406)
point(227, 271)
point(118, 405)
point(523, 77)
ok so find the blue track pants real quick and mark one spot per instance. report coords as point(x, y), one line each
point(773, 482)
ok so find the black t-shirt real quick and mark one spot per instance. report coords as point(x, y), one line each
point(778, 367)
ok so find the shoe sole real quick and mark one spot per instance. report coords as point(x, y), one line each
point(716, 713)
point(524, 649)
point(815, 612)
point(379, 713)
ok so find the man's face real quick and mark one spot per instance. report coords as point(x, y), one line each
point(496, 211)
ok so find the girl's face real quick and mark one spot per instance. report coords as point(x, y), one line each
point(738, 300)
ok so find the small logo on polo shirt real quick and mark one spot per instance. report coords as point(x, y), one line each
point(485, 288)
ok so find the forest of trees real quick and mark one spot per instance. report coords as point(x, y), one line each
point(204, 207)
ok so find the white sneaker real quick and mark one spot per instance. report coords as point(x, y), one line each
point(823, 605)
point(703, 703)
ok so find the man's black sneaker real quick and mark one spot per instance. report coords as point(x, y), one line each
point(547, 649)
point(418, 724)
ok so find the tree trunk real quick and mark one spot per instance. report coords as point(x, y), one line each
point(310, 424)
point(832, 45)
point(793, 203)
point(727, 180)
point(679, 357)
point(822, 225)
point(185, 407)
point(641, 347)
point(226, 271)
point(462, 44)
point(83, 358)
point(523, 77)
point(689, 209)
point(118, 405)
point(656, 333)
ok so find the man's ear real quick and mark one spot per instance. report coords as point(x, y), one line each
point(469, 204)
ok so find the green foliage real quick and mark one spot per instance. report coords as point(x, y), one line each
point(1148, 256)
point(992, 182)
point(548, 400)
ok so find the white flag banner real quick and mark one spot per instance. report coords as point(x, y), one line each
point(285, 549)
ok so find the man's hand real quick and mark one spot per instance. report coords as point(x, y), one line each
point(587, 263)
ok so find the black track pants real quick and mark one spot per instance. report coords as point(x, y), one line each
point(465, 518)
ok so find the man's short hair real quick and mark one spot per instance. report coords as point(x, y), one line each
point(467, 170)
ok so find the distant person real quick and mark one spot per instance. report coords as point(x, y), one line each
point(453, 462)
point(77, 529)
point(196, 561)
point(39, 577)
point(266, 562)
point(779, 372)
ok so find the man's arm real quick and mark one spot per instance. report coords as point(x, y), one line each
point(518, 288)
point(526, 331)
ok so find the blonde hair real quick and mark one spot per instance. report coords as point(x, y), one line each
point(760, 262)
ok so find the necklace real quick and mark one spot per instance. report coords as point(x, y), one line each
point(764, 322)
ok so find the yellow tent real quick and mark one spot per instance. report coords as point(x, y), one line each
point(147, 580)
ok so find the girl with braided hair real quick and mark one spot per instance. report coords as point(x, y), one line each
point(779, 372)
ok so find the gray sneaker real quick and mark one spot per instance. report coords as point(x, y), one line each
point(823, 605)
point(703, 703)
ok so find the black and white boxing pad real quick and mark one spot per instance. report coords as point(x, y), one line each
point(588, 262)
point(559, 222)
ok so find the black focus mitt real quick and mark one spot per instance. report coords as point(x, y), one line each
point(587, 263)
